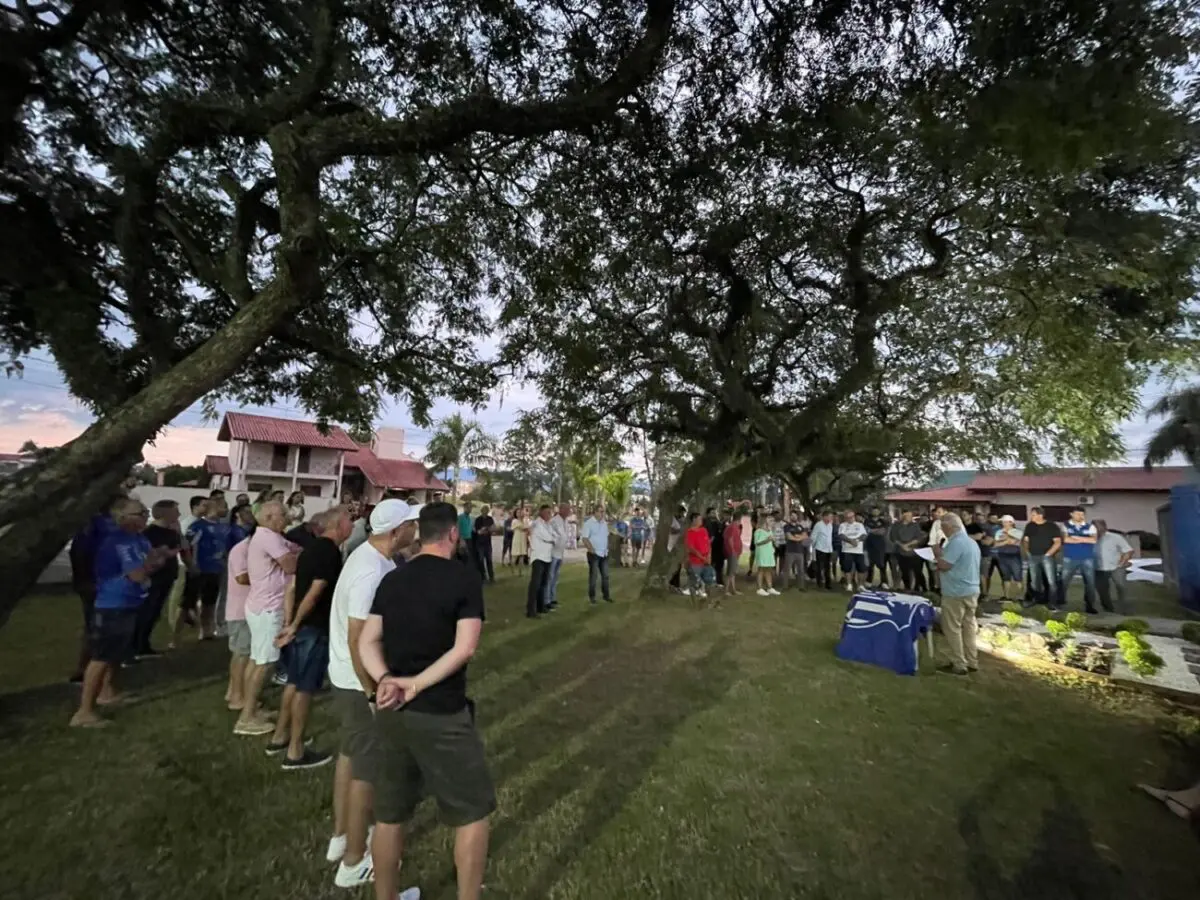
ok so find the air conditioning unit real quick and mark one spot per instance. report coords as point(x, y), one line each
point(1087, 500)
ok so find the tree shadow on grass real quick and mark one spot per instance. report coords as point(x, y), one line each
point(576, 743)
point(1063, 865)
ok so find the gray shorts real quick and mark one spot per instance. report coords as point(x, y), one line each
point(239, 637)
point(731, 564)
point(356, 733)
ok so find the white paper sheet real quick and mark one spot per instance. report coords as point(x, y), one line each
point(924, 553)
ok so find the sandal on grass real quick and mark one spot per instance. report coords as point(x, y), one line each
point(1178, 807)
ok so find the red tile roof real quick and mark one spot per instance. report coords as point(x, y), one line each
point(394, 474)
point(15, 457)
point(955, 494)
point(217, 465)
point(985, 485)
point(268, 430)
point(1083, 481)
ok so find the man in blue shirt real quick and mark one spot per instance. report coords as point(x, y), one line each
point(957, 562)
point(1079, 555)
point(123, 565)
point(209, 540)
point(637, 537)
point(82, 555)
point(594, 535)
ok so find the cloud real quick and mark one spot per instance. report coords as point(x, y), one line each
point(183, 444)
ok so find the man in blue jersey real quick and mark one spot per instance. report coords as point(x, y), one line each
point(82, 554)
point(638, 528)
point(209, 540)
point(1079, 555)
point(123, 565)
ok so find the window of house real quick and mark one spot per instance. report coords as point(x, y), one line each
point(1002, 509)
point(257, 487)
point(311, 490)
point(279, 458)
point(1057, 513)
point(304, 459)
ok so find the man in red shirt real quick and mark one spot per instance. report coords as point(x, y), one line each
point(699, 547)
point(732, 537)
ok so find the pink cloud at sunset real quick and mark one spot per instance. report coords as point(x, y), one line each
point(47, 427)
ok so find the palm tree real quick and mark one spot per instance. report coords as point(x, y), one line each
point(1180, 433)
point(618, 488)
point(457, 441)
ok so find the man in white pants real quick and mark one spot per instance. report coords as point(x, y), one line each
point(270, 562)
point(393, 528)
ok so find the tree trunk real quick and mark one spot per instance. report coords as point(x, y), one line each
point(43, 506)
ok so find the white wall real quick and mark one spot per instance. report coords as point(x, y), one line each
point(1122, 510)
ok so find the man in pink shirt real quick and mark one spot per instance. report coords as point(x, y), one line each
point(237, 588)
point(270, 561)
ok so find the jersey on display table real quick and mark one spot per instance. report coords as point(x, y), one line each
point(883, 629)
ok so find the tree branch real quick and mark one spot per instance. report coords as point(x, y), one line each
point(434, 129)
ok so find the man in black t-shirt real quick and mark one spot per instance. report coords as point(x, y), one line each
point(305, 636)
point(162, 532)
point(877, 526)
point(716, 539)
point(484, 526)
point(423, 629)
point(1042, 543)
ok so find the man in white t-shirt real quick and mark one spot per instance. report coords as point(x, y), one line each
point(393, 528)
point(558, 526)
point(854, 557)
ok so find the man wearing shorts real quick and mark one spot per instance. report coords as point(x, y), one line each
point(423, 629)
point(270, 559)
point(393, 528)
point(208, 537)
point(305, 638)
point(124, 564)
point(854, 556)
point(637, 537)
point(731, 537)
point(235, 622)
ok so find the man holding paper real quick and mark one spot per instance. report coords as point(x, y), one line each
point(957, 563)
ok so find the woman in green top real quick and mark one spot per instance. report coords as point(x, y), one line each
point(764, 556)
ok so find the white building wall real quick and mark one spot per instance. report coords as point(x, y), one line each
point(1122, 510)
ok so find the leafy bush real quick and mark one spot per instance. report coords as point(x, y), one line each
point(1076, 621)
point(1191, 632)
point(1138, 655)
point(1011, 606)
point(1059, 631)
point(1041, 612)
point(1134, 626)
point(1097, 659)
point(1010, 618)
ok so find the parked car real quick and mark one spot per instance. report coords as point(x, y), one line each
point(1146, 570)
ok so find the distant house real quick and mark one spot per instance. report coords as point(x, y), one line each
point(1126, 498)
point(382, 469)
point(267, 453)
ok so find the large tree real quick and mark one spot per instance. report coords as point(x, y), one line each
point(270, 198)
point(878, 236)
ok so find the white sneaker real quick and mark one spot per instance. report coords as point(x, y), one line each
point(849, 588)
point(337, 848)
point(762, 593)
point(410, 894)
point(357, 875)
point(773, 592)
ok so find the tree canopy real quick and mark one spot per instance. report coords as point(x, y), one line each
point(878, 235)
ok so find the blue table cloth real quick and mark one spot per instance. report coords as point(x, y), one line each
point(882, 629)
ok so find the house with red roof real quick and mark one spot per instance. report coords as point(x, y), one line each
point(271, 454)
point(1126, 498)
point(382, 469)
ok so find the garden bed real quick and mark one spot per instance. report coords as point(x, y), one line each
point(1163, 665)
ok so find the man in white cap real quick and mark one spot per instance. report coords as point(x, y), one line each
point(393, 528)
point(1006, 550)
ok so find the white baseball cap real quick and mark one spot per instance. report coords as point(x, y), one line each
point(388, 515)
point(1007, 519)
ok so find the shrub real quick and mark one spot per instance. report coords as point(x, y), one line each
point(1134, 626)
point(1097, 659)
point(1191, 632)
point(1059, 631)
point(1076, 621)
point(1138, 655)
point(1070, 653)
point(1041, 612)
point(1011, 619)
point(1011, 606)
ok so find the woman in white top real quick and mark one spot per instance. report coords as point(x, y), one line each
point(295, 508)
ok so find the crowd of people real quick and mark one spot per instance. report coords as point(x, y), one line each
point(392, 620)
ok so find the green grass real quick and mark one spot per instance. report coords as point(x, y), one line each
point(645, 749)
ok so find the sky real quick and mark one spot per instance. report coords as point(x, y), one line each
point(37, 406)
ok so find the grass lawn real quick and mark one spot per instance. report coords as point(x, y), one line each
point(644, 749)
